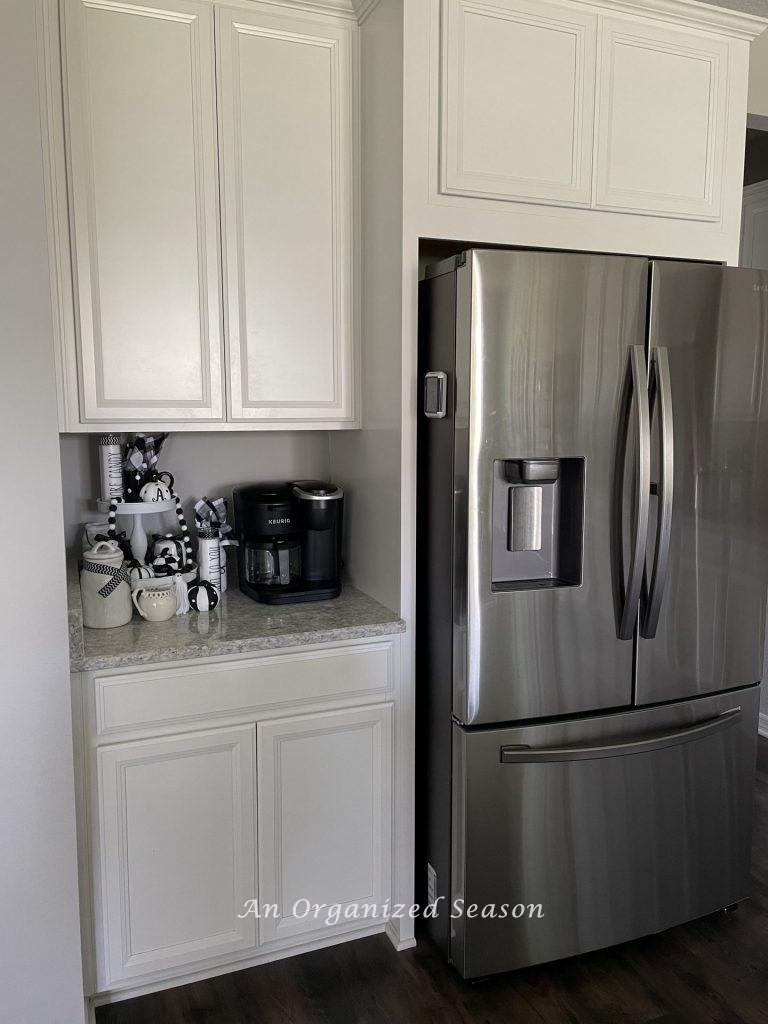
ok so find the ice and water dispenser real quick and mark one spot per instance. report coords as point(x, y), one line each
point(538, 520)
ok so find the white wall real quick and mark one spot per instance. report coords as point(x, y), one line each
point(202, 463)
point(40, 972)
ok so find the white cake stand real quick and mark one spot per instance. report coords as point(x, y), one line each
point(136, 510)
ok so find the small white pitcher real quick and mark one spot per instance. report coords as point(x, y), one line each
point(156, 602)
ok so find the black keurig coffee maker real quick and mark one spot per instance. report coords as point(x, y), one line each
point(289, 541)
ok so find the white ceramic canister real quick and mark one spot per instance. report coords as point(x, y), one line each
point(156, 601)
point(209, 556)
point(104, 587)
point(223, 567)
point(111, 466)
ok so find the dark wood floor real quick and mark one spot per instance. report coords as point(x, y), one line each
point(714, 971)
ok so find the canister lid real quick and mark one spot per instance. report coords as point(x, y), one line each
point(103, 551)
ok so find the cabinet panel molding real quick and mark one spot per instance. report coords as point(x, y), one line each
point(662, 120)
point(287, 131)
point(325, 793)
point(175, 697)
point(517, 100)
point(176, 851)
point(141, 121)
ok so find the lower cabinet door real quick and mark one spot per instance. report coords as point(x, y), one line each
point(176, 851)
point(324, 822)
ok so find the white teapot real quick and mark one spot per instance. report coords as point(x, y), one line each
point(157, 489)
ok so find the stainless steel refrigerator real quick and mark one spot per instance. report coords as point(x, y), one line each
point(592, 570)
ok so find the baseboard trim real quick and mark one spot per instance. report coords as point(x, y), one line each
point(127, 990)
point(762, 724)
point(400, 941)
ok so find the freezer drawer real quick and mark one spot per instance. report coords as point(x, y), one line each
point(617, 826)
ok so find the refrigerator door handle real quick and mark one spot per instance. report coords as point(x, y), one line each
point(635, 394)
point(636, 745)
point(660, 390)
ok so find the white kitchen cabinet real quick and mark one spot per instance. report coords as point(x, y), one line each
point(185, 288)
point(324, 796)
point(564, 103)
point(140, 115)
point(175, 851)
point(286, 127)
point(662, 123)
point(517, 100)
point(277, 776)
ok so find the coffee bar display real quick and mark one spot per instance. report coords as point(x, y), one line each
point(124, 567)
point(288, 539)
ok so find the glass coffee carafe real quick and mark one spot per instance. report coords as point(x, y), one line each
point(272, 562)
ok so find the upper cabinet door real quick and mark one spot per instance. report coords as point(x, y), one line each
point(141, 122)
point(286, 128)
point(662, 120)
point(517, 100)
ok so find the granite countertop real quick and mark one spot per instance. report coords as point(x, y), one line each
point(237, 626)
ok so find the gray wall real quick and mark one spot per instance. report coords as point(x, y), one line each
point(202, 463)
point(758, 7)
point(40, 966)
point(367, 462)
point(756, 157)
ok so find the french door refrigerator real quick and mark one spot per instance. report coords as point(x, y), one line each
point(592, 570)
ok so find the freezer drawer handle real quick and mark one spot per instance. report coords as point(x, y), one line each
point(660, 389)
point(637, 745)
point(634, 394)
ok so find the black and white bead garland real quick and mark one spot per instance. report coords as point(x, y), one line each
point(184, 528)
point(112, 517)
point(112, 533)
point(185, 538)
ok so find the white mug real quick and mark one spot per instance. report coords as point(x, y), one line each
point(156, 603)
